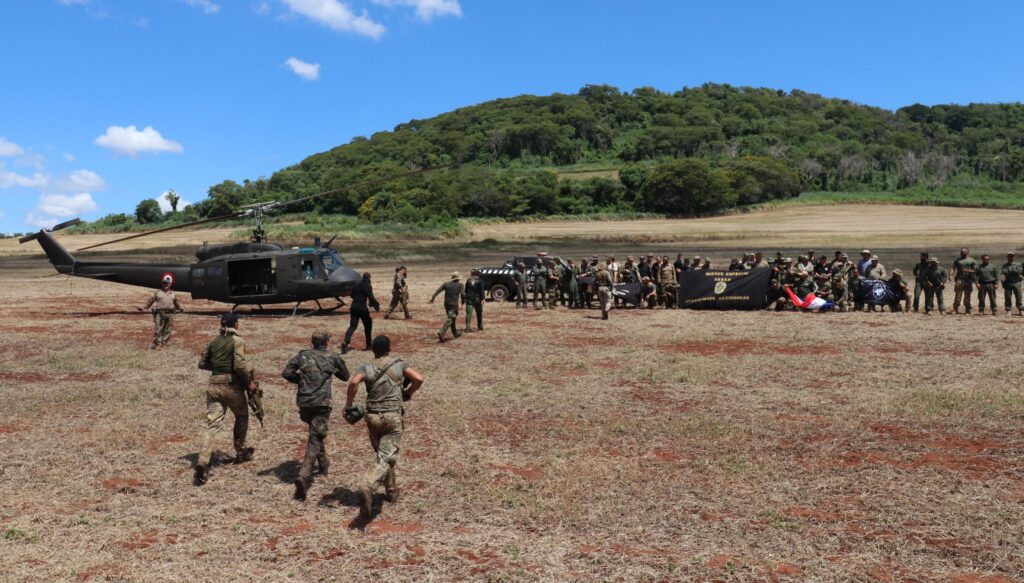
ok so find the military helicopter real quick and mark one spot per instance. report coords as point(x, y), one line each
point(256, 272)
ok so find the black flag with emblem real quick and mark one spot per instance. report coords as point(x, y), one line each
point(724, 290)
point(876, 292)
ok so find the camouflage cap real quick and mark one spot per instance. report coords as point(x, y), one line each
point(320, 337)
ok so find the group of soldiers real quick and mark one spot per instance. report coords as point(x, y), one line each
point(389, 383)
point(836, 279)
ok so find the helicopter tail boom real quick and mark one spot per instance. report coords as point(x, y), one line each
point(55, 252)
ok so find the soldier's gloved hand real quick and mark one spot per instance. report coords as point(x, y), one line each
point(353, 414)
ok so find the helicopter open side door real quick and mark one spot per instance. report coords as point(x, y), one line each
point(252, 278)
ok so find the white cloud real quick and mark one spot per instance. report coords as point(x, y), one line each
point(308, 71)
point(81, 181)
point(165, 205)
point(426, 10)
point(129, 141)
point(261, 8)
point(10, 179)
point(337, 15)
point(68, 157)
point(67, 205)
point(205, 5)
point(9, 148)
point(41, 221)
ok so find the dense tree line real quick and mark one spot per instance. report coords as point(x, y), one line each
point(695, 151)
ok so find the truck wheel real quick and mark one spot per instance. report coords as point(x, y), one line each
point(499, 293)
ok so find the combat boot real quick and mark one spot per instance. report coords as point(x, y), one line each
point(244, 455)
point(202, 475)
point(301, 487)
point(365, 503)
point(391, 489)
point(325, 466)
point(344, 348)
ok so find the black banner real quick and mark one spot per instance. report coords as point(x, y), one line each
point(724, 290)
point(876, 292)
point(627, 292)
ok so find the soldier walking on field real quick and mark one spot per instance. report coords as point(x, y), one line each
point(935, 283)
point(963, 280)
point(1012, 272)
point(399, 293)
point(919, 278)
point(453, 294)
point(230, 379)
point(389, 383)
point(164, 304)
point(362, 294)
point(473, 297)
point(986, 276)
point(312, 370)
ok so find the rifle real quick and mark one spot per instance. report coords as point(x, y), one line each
point(256, 397)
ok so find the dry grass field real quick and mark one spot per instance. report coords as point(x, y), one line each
point(657, 446)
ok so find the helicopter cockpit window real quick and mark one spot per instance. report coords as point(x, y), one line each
point(311, 268)
point(331, 260)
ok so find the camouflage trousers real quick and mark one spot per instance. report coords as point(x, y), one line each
point(987, 291)
point(399, 299)
point(318, 419)
point(540, 290)
point(220, 398)
point(163, 327)
point(1011, 291)
point(962, 290)
point(604, 296)
point(451, 315)
point(918, 292)
point(474, 309)
point(932, 296)
point(385, 431)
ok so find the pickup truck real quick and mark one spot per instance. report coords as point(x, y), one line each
point(498, 281)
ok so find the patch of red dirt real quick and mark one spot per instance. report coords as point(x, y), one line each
point(817, 515)
point(147, 540)
point(723, 561)
point(417, 550)
point(296, 529)
point(973, 466)
point(981, 579)
point(256, 519)
point(272, 543)
point(666, 455)
point(158, 443)
point(10, 428)
point(417, 455)
point(381, 526)
point(972, 445)
point(122, 485)
point(871, 535)
point(526, 473)
point(300, 448)
point(22, 377)
point(741, 347)
point(786, 570)
point(106, 571)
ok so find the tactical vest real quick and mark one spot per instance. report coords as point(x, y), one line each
point(383, 392)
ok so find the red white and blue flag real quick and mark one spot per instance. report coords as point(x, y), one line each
point(810, 301)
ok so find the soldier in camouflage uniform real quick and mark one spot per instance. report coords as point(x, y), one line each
point(1012, 272)
point(935, 282)
point(453, 294)
point(521, 281)
point(230, 379)
point(898, 283)
point(841, 273)
point(384, 378)
point(312, 370)
point(986, 277)
point(572, 286)
point(164, 303)
point(473, 297)
point(963, 280)
point(603, 282)
point(669, 283)
point(919, 277)
point(399, 293)
point(804, 285)
point(540, 283)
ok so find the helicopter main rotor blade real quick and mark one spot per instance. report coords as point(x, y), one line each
point(252, 208)
point(164, 230)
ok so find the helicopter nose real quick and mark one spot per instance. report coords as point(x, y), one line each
point(343, 280)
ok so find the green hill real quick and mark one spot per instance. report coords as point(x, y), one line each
point(692, 152)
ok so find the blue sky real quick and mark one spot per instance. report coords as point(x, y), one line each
point(107, 102)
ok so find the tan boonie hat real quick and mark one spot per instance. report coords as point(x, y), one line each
point(455, 275)
point(874, 257)
point(933, 260)
point(897, 272)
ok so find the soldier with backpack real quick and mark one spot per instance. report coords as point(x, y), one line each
point(389, 383)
